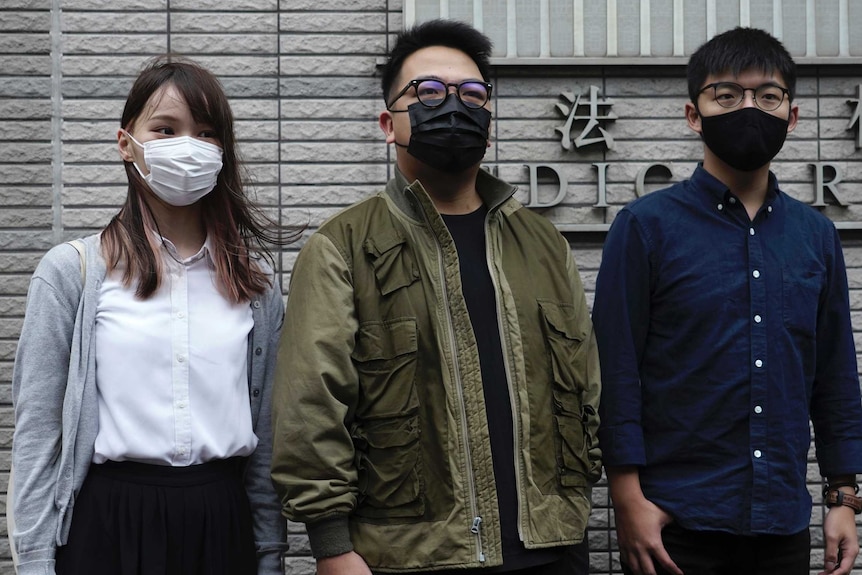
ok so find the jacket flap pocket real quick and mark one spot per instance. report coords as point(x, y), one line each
point(561, 317)
point(385, 340)
point(392, 261)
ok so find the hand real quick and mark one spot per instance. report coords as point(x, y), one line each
point(639, 523)
point(350, 563)
point(839, 532)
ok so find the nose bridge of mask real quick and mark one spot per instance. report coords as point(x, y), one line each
point(184, 149)
point(450, 113)
point(167, 148)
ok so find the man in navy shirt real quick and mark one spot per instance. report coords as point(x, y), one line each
point(723, 324)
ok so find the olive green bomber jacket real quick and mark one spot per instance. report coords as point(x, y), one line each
point(380, 434)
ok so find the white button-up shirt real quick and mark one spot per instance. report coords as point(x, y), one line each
point(172, 370)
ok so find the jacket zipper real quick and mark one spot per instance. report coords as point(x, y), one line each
point(507, 368)
point(476, 526)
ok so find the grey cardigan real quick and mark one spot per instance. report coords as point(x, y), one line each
point(56, 408)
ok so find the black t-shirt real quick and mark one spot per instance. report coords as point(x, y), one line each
point(468, 231)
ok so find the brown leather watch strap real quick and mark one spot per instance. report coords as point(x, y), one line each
point(835, 497)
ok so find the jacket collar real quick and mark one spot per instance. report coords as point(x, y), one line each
point(413, 200)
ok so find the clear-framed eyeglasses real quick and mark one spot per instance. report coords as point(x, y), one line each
point(432, 93)
point(767, 97)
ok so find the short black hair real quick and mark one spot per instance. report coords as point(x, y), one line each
point(449, 33)
point(736, 51)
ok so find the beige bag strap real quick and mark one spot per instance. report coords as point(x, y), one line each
point(81, 248)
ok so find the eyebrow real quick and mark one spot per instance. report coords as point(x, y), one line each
point(163, 118)
point(433, 77)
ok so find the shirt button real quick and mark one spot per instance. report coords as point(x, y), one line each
point(769, 209)
point(758, 409)
point(258, 351)
point(751, 231)
point(756, 273)
point(720, 207)
point(256, 392)
point(256, 304)
point(181, 358)
point(181, 315)
point(757, 453)
point(758, 363)
point(181, 404)
point(732, 200)
point(757, 319)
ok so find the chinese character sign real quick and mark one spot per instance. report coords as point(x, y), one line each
point(592, 132)
point(854, 119)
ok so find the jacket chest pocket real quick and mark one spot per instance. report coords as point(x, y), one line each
point(386, 429)
point(390, 258)
point(564, 339)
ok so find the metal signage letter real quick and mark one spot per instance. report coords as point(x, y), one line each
point(534, 186)
point(642, 174)
point(820, 185)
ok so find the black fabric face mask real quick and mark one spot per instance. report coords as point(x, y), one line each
point(745, 139)
point(449, 138)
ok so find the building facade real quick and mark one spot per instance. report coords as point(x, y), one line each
point(588, 114)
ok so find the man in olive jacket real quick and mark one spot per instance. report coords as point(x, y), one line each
point(436, 397)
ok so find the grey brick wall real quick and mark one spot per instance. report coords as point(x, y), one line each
point(301, 77)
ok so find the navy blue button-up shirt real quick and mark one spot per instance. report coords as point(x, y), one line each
point(719, 336)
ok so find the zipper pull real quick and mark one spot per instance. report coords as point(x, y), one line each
point(477, 523)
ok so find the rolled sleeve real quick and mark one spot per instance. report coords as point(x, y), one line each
point(621, 316)
point(836, 408)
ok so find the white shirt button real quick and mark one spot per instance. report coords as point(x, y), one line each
point(758, 363)
point(769, 209)
point(720, 207)
point(751, 231)
point(758, 409)
point(181, 315)
point(181, 404)
point(181, 358)
point(757, 453)
point(756, 273)
point(732, 200)
point(757, 319)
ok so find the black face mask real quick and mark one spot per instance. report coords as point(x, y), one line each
point(449, 138)
point(746, 139)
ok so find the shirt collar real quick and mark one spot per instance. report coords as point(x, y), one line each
point(170, 249)
point(719, 196)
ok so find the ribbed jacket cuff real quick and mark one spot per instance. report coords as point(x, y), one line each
point(329, 537)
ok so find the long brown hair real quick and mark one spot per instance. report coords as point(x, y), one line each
point(238, 231)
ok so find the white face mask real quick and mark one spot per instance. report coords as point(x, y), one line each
point(182, 169)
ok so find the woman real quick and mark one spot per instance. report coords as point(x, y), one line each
point(142, 397)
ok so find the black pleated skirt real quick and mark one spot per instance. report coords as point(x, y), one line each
point(138, 519)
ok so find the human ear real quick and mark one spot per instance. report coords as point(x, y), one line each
point(124, 145)
point(692, 117)
point(387, 124)
point(793, 119)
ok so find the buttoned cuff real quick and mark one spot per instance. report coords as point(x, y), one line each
point(842, 458)
point(622, 445)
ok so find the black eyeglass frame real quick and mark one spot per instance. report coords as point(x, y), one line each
point(785, 93)
point(415, 85)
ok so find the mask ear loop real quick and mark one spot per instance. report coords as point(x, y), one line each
point(141, 146)
point(146, 204)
